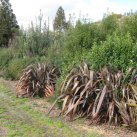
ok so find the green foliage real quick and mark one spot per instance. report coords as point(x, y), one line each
point(18, 44)
point(79, 38)
point(36, 42)
point(83, 37)
point(130, 26)
point(16, 66)
point(110, 23)
point(60, 20)
point(5, 56)
point(117, 51)
point(111, 41)
point(8, 23)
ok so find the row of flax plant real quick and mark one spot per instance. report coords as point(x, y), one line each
point(104, 96)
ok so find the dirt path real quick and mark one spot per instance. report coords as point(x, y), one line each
point(103, 130)
point(24, 113)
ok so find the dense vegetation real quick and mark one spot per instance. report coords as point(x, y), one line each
point(8, 23)
point(109, 42)
point(104, 95)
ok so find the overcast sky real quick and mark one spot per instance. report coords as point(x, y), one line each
point(27, 10)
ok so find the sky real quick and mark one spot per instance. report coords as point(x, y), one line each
point(27, 10)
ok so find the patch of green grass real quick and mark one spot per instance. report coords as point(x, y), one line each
point(21, 120)
point(2, 110)
point(3, 87)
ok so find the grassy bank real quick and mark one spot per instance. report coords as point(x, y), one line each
point(18, 119)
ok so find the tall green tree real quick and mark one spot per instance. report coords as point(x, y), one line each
point(60, 20)
point(8, 23)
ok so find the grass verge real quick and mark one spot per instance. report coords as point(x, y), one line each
point(18, 119)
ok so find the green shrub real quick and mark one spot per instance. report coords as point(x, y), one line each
point(36, 40)
point(110, 23)
point(82, 36)
point(117, 51)
point(129, 24)
point(6, 54)
point(16, 66)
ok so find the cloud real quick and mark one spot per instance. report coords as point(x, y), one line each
point(27, 10)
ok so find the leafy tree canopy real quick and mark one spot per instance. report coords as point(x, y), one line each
point(60, 20)
point(8, 23)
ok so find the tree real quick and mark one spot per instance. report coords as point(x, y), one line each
point(8, 23)
point(110, 23)
point(60, 20)
point(130, 25)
